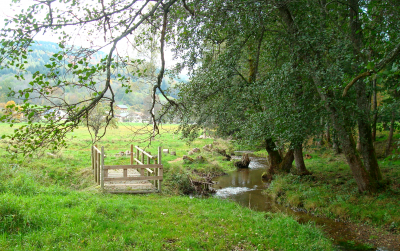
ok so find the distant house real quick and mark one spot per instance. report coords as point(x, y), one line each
point(121, 108)
point(136, 117)
point(122, 117)
point(55, 114)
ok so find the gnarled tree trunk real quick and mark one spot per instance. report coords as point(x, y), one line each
point(287, 161)
point(298, 157)
point(364, 181)
point(364, 127)
point(276, 161)
point(273, 155)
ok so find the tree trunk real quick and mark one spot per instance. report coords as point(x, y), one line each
point(364, 126)
point(374, 106)
point(287, 161)
point(358, 147)
point(336, 143)
point(244, 162)
point(365, 134)
point(300, 165)
point(273, 155)
point(274, 159)
point(360, 174)
point(328, 133)
point(390, 138)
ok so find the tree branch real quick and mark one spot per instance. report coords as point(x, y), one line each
point(187, 7)
point(109, 59)
point(162, 70)
point(382, 64)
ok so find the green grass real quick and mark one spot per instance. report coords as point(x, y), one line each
point(332, 192)
point(78, 220)
point(49, 203)
point(70, 166)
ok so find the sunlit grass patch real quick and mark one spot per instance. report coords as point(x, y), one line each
point(90, 221)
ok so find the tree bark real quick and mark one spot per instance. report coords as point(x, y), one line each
point(390, 138)
point(274, 159)
point(358, 142)
point(374, 106)
point(328, 133)
point(287, 161)
point(336, 144)
point(298, 157)
point(364, 127)
point(360, 174)
point(273, 155)
point(281, 150)
point(366, 146)
point(244, 162)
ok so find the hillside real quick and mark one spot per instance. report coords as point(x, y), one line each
point(40, 56)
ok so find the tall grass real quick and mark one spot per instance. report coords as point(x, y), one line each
point(51, 203)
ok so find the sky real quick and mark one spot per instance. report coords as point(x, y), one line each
point(7, 11)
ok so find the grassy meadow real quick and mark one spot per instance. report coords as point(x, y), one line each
point(51, 202)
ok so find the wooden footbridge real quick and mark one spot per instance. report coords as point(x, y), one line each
point(139, 177)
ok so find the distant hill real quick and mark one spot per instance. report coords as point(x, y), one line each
point(40, 56)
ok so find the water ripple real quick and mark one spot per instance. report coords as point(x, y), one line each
point(228, 191)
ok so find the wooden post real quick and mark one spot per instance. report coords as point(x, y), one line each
point(125, 173)
point(131, 154)
point(142, 160)
point(156, 171)
point(91, 156)
point(160, 171)
point(148, 163)
point(98, 168)
point(102, 169)
point(159, 155)
point(137, 156)
point(94, 163)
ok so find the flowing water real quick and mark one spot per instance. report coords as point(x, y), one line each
point(245, 187)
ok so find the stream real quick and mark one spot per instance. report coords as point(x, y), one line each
point(245, 187)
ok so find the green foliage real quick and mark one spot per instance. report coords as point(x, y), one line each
point(51, 201)
point(100, 118)
point(331, 192)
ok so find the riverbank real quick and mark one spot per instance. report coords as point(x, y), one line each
point(51, 202)
point(331, 192)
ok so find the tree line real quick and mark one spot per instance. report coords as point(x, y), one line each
point(269, 72)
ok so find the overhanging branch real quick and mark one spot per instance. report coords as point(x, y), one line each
point(382, 64)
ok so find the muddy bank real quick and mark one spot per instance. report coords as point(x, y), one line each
point(246, 187)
